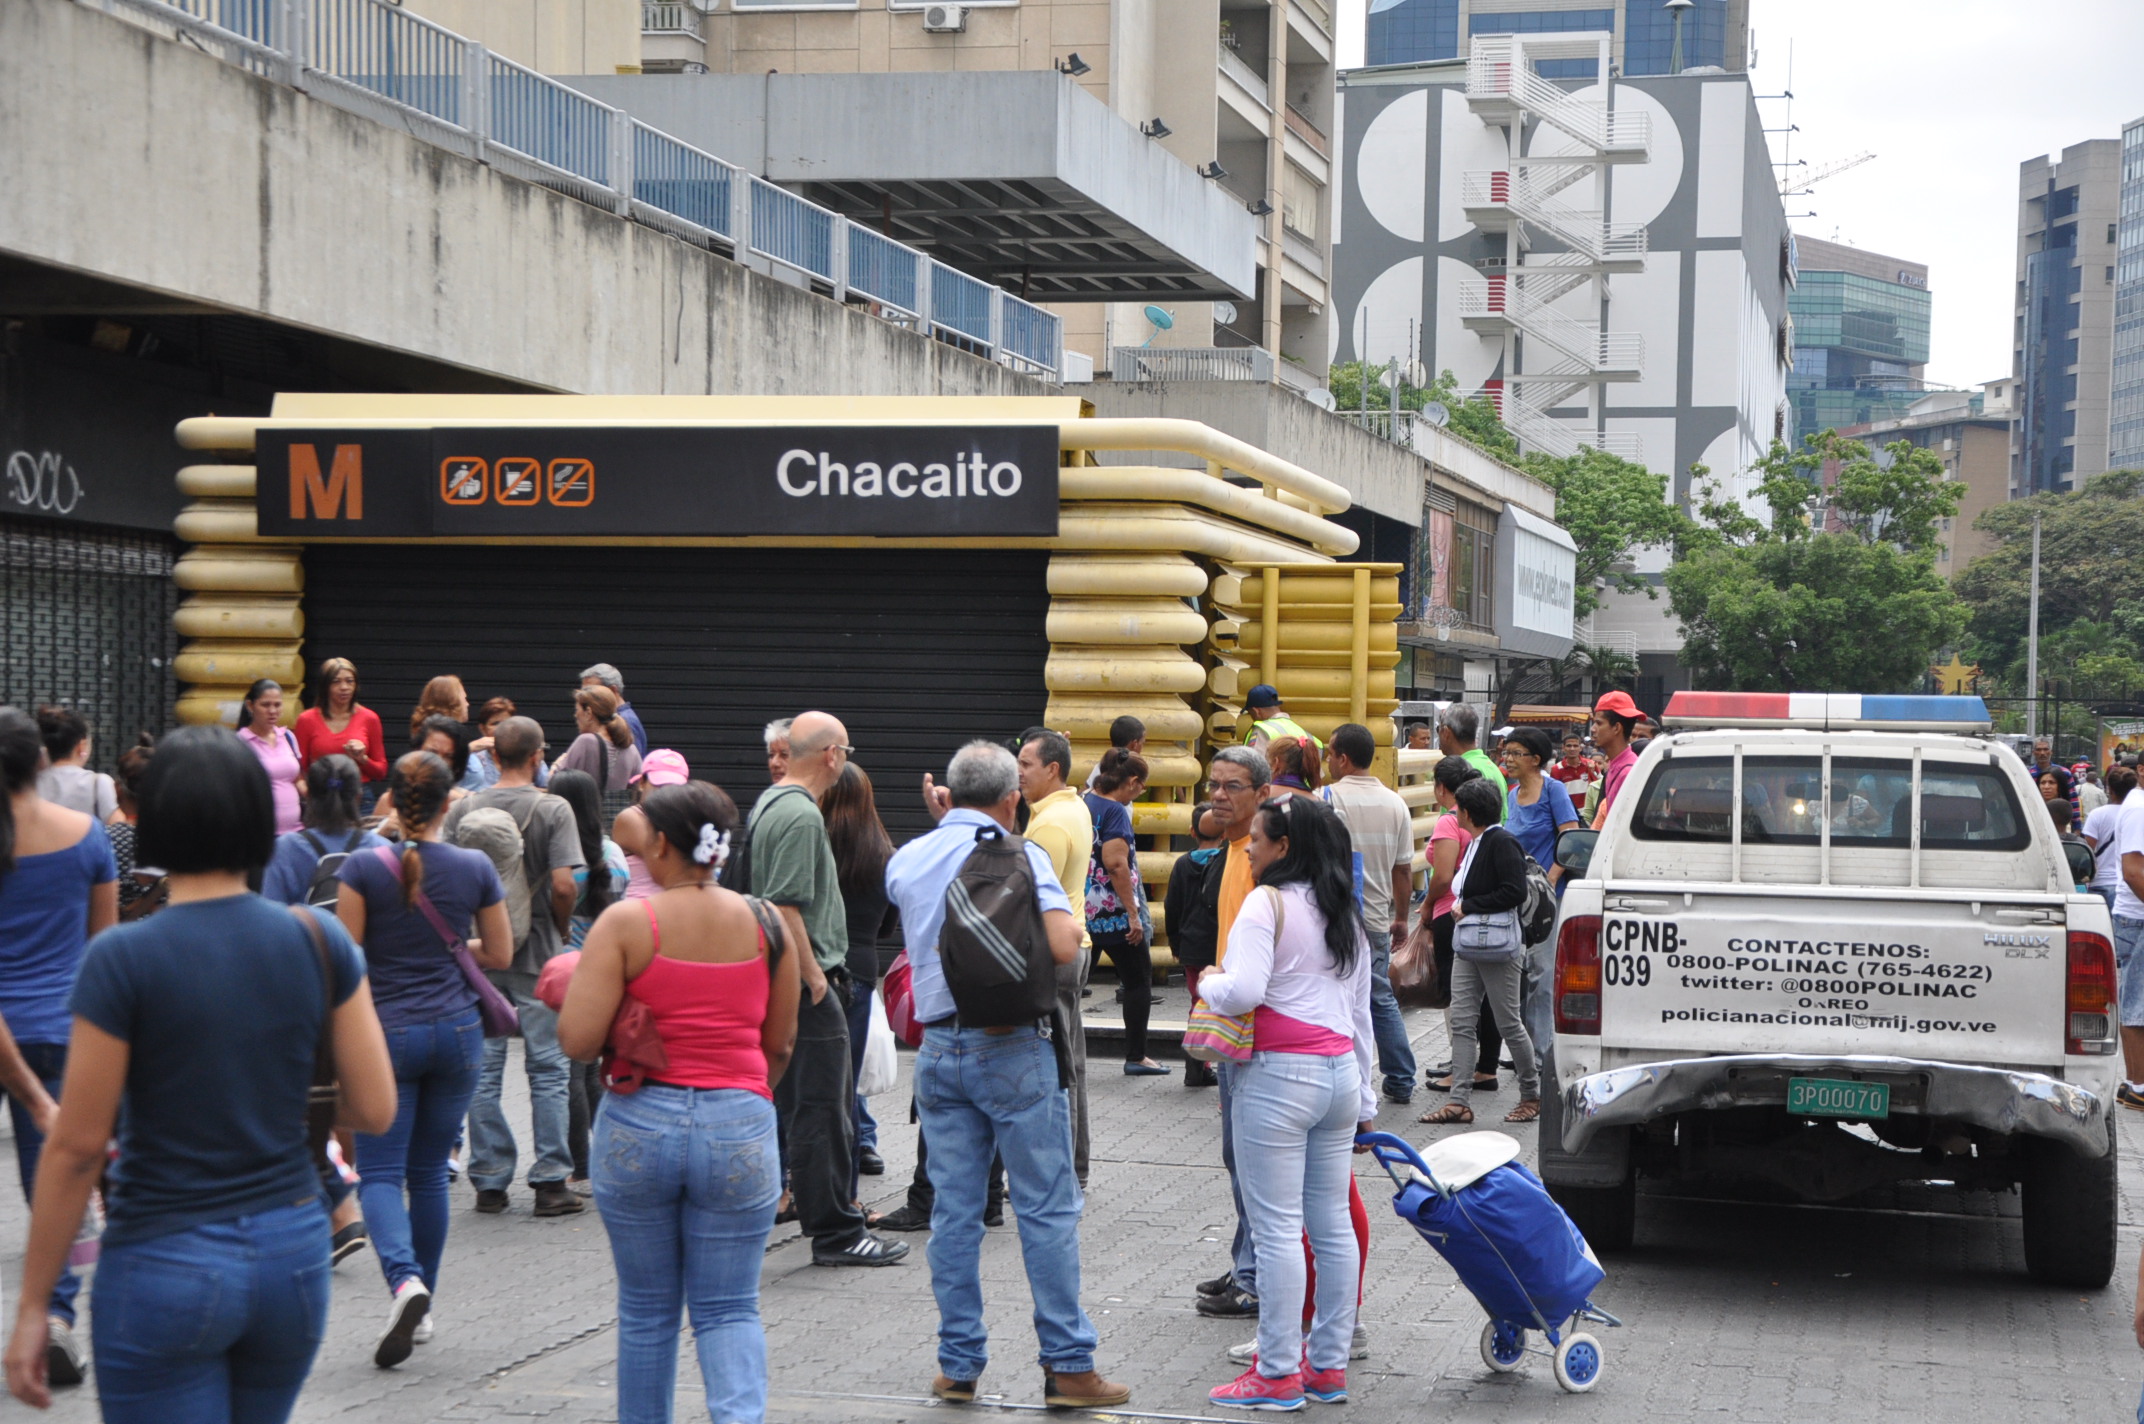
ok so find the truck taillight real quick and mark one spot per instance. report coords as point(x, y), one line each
point(2089, 997)
point(1578, 975)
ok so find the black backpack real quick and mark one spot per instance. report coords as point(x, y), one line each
point(1537, 916)
point(992, 946)
point(737, 870)
point(325, 887)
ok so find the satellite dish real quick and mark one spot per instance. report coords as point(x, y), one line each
point(1323, 399)
point(1417, 375)
point(1436, 414)
point(1224, 313)
point(1162, 319)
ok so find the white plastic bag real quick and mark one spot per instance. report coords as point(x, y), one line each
point(882, 1064)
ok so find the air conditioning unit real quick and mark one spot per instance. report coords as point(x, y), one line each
point(945, 19)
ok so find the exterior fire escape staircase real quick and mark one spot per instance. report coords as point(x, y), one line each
point(1549, 299)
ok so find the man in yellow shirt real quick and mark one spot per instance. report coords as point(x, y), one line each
point(1237, 782)
point(1059, 821)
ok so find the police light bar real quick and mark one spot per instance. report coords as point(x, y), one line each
point(1827, 711)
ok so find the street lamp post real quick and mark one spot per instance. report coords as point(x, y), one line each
point(2032, 640)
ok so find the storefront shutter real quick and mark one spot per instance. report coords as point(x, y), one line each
point(917, 651)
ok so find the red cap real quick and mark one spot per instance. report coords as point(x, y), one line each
point(1618, 703)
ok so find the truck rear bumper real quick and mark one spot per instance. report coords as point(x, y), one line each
point(2002, 1100)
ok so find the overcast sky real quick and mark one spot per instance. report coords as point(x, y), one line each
point(1951, 95)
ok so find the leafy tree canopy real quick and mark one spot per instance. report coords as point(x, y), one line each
point(1836, 590)
point(2091, 584)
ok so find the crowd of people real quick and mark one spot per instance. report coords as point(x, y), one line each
point(282, 965)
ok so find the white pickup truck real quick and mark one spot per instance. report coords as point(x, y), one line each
point(1880, 970)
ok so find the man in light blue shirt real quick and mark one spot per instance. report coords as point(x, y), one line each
point(995, 1088)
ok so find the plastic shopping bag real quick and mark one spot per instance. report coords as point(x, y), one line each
point(882, 1064)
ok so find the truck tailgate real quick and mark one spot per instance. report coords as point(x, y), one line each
point(1924, 975)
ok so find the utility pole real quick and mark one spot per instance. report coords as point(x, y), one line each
point(2032, 640)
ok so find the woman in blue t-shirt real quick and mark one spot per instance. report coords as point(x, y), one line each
point(397, 905)
point(203, 1023)
point(1537, 808)
point(58, 886)
point(1117, 918)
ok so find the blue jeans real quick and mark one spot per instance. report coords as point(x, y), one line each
point(492, 1152)
point(687, 1181)
point(216, 1324)
point(1395, 1055)
point(2129, 970)
point(435, 1076)
point(1242, 1255)
point(980, 1092)
point(49, 1062)
point(1296, 1116)
point(1537, 999)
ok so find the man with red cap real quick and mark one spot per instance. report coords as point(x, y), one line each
point(1615, 716)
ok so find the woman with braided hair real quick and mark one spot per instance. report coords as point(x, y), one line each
point(402, 907)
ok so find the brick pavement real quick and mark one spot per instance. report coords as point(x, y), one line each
point(1736, 1311)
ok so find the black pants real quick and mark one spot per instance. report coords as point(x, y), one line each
point(817, 1102)
point(922, 1196)
point(1135, 971)
point(584, 1093)
point(1490, 1042)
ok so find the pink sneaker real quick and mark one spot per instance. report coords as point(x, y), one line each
point(1326, 1386)
point(1252, 1390)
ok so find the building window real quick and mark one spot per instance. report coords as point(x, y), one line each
point(1301, 202)
point(1649, 37)
point(1473, 575)
point(1411, 31)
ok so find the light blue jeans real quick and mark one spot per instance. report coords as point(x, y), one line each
point(1537, 999)
point(1295, 1133)
point(687, 1180)
point(2129, 970)
point(976, 1093)
point(492, 1153)
point(216, 1324)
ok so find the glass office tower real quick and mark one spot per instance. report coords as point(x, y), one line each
point(1411, 31)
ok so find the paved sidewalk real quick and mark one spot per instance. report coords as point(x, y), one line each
point(1735, 1311)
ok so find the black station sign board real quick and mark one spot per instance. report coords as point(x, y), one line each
point(640, 481)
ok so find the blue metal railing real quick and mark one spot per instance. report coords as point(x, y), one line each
point(961, 303)
point(791, 230)
point(678, 179)
point(376, 59)
point(885, 270)
point(544, 120)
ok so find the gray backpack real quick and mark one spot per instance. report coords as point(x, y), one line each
point(499, 836)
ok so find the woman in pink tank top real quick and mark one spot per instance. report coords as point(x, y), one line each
point(689, 1160)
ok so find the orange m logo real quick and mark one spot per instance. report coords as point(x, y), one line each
point(340, 496)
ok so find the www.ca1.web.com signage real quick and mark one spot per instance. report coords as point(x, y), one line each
point(897, 481)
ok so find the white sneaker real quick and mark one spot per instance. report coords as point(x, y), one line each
point(412, 1303)
point(422, 1335)
point(1358, 1349)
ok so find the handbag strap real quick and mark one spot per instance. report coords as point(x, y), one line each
point(425, 906)
point(324, 1051)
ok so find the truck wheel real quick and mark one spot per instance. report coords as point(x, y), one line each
point(2070, 1209)
point(1597, 1187)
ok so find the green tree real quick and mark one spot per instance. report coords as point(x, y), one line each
point(2091, 585)
point(1837, 589)
point(1357, 385)
point(1611, 507)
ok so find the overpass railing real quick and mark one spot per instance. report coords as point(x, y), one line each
point(378, 60)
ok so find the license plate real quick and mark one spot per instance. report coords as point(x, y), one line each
point(1836, 1097)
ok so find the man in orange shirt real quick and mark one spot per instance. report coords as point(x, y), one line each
point(1237, 782)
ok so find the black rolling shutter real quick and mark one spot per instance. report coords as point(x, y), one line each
point(916, 650)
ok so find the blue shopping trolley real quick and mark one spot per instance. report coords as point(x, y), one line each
point(1511, 1246)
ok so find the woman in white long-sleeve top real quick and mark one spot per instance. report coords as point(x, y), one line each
point(1299, 962)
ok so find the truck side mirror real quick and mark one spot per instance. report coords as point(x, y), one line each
point(1574, 850)
point(2077, 853)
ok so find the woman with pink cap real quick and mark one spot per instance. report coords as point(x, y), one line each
point(661, 767)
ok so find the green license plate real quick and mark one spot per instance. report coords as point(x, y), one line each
point(1836, 1097)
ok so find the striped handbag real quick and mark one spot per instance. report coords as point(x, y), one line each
point(1213, 1037)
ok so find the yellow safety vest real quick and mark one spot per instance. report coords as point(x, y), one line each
point(1284, 726)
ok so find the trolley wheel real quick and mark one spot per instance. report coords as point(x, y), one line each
point(1578, 1363)
point(1503, 1347)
